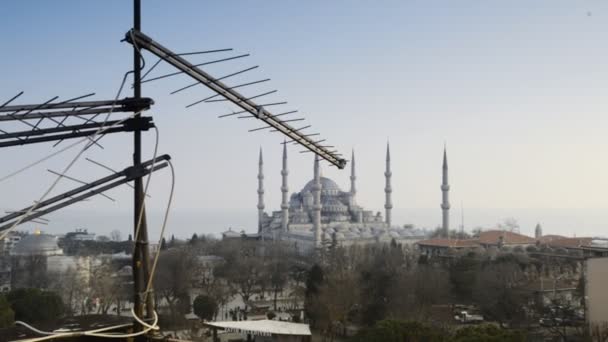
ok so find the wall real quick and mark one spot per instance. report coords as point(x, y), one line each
point(596, 280)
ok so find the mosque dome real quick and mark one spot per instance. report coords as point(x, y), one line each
point(37, 244)
point(326, 185)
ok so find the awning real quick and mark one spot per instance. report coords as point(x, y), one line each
point(263, 327)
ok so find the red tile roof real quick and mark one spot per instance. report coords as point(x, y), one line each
point(549, 238)
point(449, 243)
point(571, 242)
point(492, 237)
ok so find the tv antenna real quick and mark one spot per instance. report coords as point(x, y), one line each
point(52, 121)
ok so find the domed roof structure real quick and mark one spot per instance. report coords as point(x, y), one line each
point(326, 184)
point(37, 244)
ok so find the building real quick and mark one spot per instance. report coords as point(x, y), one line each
point(501, 238)
point(486, 239)
point(10, 240)
point(80, 235)
point(37, 244)
point(263, 330)
point(37, 257)
point(231, 234)
point(321, 212)
point(585, 246)
point(445, 247)
point(596, 297)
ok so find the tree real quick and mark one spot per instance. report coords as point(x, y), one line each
point(337, 300)
point(7, 315)
point(106, 289)
point(277, 268)
point(314, 280)
point(30, 272)
point(452, 234)
point(509, 224)
point(243, 269)
point(73, 289)
point(103, 238)
point(205, 307)
point(115, 235)
point(174, 278)
point(377, 276)
point(498, 292)
point(487, 333)
point(401, 331)
point(35, 305)
point(163, 244)
point(463, 274)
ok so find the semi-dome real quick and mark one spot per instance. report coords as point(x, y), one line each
point(37, 244)
point(326, 184)
point(333, 205)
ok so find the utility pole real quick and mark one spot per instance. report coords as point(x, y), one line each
point(141, 255)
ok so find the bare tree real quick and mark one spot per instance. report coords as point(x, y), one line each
point(499, 293)
point(73, 288)
point(509, 224)
point(338, 297)
point(105, 288)
point(174, 278)
point(116, 235)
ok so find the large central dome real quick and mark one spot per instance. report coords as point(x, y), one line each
point(37, 244)
point(326, 184)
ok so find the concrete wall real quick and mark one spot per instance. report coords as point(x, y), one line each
point(596, 291)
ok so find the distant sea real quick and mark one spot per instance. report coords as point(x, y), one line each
point(183, 223)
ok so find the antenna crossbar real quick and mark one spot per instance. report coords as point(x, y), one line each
point(141, 40)
point(85, 191)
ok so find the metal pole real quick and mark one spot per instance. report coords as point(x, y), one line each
point(141, 256)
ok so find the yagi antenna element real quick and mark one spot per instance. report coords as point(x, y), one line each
point(140, 40)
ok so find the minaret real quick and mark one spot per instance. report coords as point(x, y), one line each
point(284, 191)
point(538, 231)
point(353, 178)
point(260, 192)
point(445, 190)
point(316, 207)
point(388, 205)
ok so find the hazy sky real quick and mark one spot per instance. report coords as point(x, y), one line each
point(517, 90)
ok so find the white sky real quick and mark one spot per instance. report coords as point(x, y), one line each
point(518, 92)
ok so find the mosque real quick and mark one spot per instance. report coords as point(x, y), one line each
point(323, 213)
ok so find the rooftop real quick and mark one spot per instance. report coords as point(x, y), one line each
point(450, 243)
point(492, 237)
point(326, 184)
point(571, 242)
point(263, 327)
point(37, 244)
point(549, 238)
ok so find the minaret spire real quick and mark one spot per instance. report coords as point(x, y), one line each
point(260, 192)
point(538, 231)
point(445, 190)
point(316, 207)
point(353, 177)
point(388, 206)
point(284, 191)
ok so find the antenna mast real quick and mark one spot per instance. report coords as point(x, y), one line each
point(141, 255)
